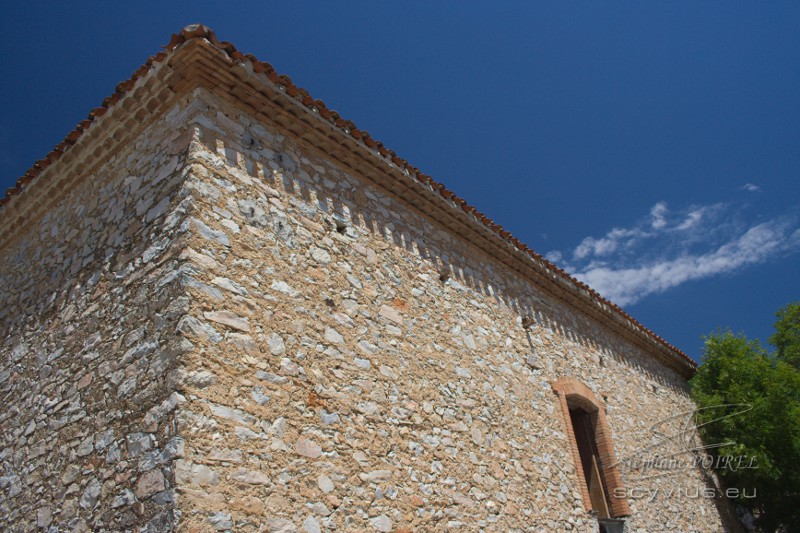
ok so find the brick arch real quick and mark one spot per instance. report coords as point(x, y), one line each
point(572, 392)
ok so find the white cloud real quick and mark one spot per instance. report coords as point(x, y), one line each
point(693, 218)
point(750, 187)
point(667, 249)
point(604, 246)
point(658, 213)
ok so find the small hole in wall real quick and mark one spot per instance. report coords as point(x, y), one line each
point(601, 360)
point(341, 228)
point(330, 303)
point(444, 276)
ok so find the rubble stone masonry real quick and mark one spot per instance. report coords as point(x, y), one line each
point(91, 300)
point(219, 328)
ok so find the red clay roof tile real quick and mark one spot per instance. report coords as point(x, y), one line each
point(198, 31)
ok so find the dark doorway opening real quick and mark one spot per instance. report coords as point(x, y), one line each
point(583, 426)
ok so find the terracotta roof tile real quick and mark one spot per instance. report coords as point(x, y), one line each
point(198, 31)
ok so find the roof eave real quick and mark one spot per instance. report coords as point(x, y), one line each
point(189, 58)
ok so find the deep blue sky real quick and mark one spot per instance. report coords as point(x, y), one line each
point(651, 148)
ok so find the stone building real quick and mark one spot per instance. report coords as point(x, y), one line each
point(224, 307)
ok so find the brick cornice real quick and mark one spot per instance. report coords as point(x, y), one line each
point(196, 57)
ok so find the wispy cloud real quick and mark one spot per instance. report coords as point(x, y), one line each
point(750, 187)
point(658, 215)
point(670, 247)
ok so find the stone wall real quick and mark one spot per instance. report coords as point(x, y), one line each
point(89, 303)
point(220, 329)
point(358, 367)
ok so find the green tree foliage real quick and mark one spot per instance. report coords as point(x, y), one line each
point(749, 403)
point(787, 335)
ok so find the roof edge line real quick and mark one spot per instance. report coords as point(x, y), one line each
point(579, 289)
